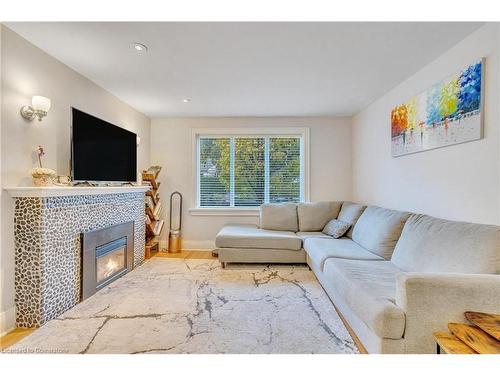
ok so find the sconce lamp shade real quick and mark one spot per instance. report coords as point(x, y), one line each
point(39, 107)
point(40, 103)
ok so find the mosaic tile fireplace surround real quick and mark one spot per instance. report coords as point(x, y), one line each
point(48, 248)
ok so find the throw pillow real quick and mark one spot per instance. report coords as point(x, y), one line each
point(336, 228)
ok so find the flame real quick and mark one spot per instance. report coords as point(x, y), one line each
point(110, 267)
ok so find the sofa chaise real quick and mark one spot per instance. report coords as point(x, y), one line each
point(396, 277)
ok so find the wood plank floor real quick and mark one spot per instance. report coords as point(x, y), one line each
point(19, 333)
point(14, 336)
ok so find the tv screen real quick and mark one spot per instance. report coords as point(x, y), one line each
point(102, 151)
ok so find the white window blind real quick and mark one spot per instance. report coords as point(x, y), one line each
point(284, 170)
point(242, 171)
point(215, 176)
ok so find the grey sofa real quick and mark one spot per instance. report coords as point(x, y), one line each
point(396, 277)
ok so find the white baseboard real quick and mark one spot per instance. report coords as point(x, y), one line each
point(198, 245)
point(7, 320)
point(163, 244)
point(192, 245)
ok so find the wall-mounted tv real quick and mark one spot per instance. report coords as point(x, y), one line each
point(100, 151)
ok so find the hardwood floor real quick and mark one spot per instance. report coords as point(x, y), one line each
point(14, 336)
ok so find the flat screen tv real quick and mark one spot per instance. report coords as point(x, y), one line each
point(101, 152)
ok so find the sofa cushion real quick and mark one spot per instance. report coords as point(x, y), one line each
point(279, 216)
point(378, 229)
point(350, 213)
point(320, 249)
point(428, 244)
point(369, 288)
point(336, 228)
point(306, 235)
point(250, 236)
point(314, 216)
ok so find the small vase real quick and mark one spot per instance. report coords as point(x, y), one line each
point(43, 176)
point(42, 180)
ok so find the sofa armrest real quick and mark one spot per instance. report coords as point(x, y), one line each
point(432, 300)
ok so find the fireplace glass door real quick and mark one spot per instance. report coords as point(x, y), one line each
point(111, 260)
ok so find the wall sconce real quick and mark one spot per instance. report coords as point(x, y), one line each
point(39, 107)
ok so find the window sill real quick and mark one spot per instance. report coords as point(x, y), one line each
point(224, 211)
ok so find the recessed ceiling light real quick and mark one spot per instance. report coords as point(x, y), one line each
point(186, 100)
point(139, 47)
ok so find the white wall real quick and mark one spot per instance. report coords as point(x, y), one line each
point(459, 182)
point(330, 160)
point(7, 316)
point(28, 71)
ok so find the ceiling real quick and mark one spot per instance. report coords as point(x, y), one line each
point(246, 69)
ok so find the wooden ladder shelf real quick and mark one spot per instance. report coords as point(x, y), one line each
point(153, 207)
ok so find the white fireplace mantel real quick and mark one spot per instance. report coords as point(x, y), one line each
point(61, 191)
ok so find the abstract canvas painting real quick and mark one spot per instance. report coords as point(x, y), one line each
point(448, 113)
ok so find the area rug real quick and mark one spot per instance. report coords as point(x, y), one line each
point(195, 306)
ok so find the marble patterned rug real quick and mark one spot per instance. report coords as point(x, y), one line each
point(195, 306)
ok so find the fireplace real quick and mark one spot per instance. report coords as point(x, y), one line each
point(107, 255)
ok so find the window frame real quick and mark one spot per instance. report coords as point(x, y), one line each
point(270, 132)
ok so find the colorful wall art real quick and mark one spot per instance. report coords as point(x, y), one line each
point(448, 113)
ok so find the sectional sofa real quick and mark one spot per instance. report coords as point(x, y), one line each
point(396, 277)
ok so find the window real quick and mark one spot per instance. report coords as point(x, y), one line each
point(247, 170)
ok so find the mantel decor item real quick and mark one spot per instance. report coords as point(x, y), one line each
point(42, 176)
point(448, 113)
point(62, 180)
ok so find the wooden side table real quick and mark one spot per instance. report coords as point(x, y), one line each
point(449, 344)
point(489, 323)
point(480, 338)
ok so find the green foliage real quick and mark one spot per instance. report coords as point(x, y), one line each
point(213, 192)
point(284, 164)
point(249, 171)
point(214, 172)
